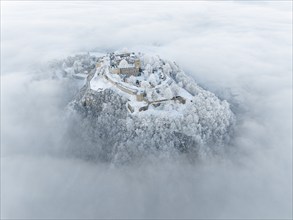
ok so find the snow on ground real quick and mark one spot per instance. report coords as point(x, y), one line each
point(163, 86)
point(99, 83)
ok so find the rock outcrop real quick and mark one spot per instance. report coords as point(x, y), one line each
point(110, 132)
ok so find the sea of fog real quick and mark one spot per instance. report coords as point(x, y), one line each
point(242, 51)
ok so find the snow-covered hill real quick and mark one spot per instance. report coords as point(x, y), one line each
point(132, 105)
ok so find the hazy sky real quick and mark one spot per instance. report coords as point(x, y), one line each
point(242, 51)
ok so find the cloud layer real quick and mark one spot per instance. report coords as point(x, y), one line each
point(240, 51)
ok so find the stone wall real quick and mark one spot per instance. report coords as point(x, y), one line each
point(129, 71)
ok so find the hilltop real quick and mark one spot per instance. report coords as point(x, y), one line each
point(145, 81)
point(132, 105)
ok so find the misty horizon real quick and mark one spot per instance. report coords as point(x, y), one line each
point(239, 51)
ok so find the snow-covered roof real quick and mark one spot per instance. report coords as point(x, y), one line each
point(123, 64)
